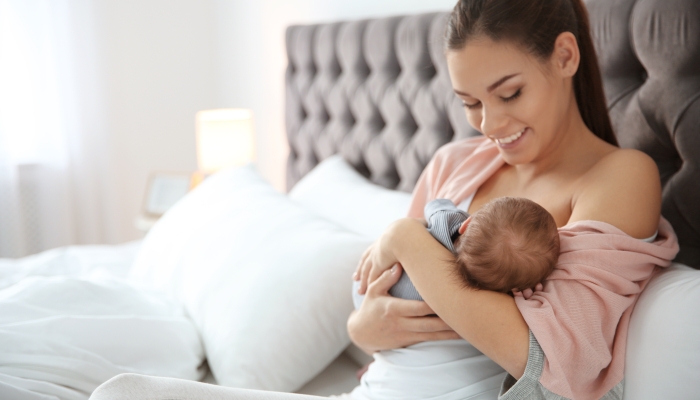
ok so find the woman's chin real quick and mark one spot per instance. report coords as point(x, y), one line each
point(515, 159)
point(522, 150)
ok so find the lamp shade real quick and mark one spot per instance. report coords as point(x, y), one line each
point(225, 138)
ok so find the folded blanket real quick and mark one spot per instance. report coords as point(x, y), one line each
point(581, 317)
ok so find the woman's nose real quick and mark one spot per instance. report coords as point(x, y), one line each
point(493, 122)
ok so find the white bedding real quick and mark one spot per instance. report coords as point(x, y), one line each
point(78, 261)
point(68, 322)
point(69, 319)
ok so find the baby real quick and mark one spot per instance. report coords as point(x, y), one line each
point(509, 244)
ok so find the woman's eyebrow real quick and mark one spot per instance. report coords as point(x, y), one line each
point(500, 82)
point(491, 88)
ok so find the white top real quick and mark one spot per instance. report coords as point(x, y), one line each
point(464, 205)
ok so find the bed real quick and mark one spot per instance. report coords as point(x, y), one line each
point(226, 291)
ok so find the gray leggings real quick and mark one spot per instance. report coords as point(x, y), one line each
point(142, 387)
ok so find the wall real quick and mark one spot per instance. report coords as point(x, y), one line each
point(163, 60)
point(158, 67)
point(253, 58)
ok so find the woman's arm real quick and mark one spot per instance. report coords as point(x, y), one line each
point(488, 320)
point(384, 322)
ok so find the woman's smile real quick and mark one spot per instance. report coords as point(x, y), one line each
point(509, 142)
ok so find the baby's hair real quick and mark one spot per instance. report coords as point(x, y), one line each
point(505, 241)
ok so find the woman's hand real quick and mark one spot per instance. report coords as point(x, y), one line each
point(384, 322)
point(379, 257)
point(375, 261)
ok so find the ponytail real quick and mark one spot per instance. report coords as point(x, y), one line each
point(588, 84)
point(535, 25)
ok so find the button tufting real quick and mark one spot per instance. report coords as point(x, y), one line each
point(378, 92)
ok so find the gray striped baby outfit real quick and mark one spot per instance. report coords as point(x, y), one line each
point(444, 220)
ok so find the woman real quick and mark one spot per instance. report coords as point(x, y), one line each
point(527, 74)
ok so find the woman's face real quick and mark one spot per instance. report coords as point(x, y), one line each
point(516, 100)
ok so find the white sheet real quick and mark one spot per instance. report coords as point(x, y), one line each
point(78, 261)
point(68, 323)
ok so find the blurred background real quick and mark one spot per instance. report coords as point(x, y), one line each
point(96, 96)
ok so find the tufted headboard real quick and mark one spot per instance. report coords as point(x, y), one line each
point(377, 92)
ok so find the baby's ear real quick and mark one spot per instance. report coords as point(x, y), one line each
point(463, 227)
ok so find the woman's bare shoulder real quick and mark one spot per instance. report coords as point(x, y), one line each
point(622, 188)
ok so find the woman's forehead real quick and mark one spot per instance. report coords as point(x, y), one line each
point(483, 62)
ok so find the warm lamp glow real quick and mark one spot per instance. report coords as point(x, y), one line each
point(225, 138)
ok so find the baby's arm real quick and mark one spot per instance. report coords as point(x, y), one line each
point(444, 221)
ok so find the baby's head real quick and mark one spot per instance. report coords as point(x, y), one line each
point(510, 243)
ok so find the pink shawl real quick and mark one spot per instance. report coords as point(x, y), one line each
point(581, 317)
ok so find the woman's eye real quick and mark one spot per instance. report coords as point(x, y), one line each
point(513, 97)
point(471, 106)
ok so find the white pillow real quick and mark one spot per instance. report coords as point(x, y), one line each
point(663, 343)
point(265, 280)
point(340, 194)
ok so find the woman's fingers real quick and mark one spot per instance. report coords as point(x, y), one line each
point(364, 276)
point(385, 322)
point(358, 271)
point(441, 335)
point(413, 308)
point(381, 285)
point(425, 324)
point(375, 272)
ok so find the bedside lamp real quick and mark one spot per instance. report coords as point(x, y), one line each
point(225, 138)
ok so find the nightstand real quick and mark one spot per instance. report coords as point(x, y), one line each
point(144, 222)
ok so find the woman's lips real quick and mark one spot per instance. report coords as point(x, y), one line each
point(511, 141)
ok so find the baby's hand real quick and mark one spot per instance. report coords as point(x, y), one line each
point(527, 293)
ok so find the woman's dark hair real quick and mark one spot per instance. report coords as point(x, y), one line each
point(535, 25)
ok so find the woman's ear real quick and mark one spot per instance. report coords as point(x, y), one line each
point(566, 56)
point(463, 227)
